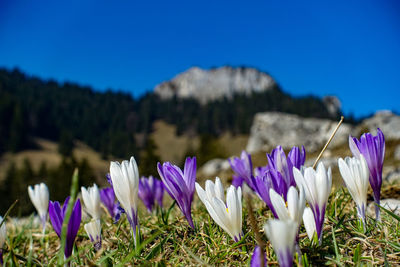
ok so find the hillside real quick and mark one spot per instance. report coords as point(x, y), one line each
point(108, 121)
point(47, 152)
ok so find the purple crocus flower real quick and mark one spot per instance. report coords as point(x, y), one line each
point(150, 191)
point(180, 185)
point(243, 168)
point(57, 215)
point(258, 256)
point(277, 161)
point(373, 150)
point(237, 181)
point(263, 184)
point(297, 157)
point(107, 196)
point(108, 200)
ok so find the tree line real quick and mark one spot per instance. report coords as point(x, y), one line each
point(109, 121)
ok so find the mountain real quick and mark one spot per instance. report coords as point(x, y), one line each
point(208, 85)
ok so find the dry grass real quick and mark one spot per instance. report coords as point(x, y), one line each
point(172, 147)
point(47, 152)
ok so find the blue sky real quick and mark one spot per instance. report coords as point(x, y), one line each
point(347, 48)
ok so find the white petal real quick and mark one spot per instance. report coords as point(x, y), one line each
point(234, 208)
point(282, 234)
point(309, 223)
point(210, 190)
point(219, 189)
point(279, 205)
point(201, 193)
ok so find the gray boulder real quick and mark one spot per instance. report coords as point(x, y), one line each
point(214, 166)
point(387, 121)
point(270, 129)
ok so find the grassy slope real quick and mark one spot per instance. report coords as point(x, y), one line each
point(47, 152)
point(173, 148)
point(175, 244)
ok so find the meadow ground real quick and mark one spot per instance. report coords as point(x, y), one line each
point(167, 240)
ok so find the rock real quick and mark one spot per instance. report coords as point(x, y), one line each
point(389, 203)
point(387, 121)
point(206, 85)
point(333, 105)
point(214, 166)
point(393, 177)
point(397, 152)
point(270, 129)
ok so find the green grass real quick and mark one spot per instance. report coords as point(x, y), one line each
point(174, 243)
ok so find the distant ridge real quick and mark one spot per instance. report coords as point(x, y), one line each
point(208, 85)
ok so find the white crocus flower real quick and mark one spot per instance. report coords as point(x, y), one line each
point(317, 186)
point(309, 223)
point(125, 180)
point(295, 204)
point(282, 234)
point(227, 215)
point(3, 237)
point(39, 195)
point(93, 230)
point(91, 199)
point(355, 174)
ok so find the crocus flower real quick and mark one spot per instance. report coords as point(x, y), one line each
point(282, 167)
point(39, 196)
point(243, 168)
point(317, 187)
point(295, 205)
point(93, 230)
point(57, 215)
point(151, 190)
point(355, 174)
point(271, 179)
point(3, 236)
point(91, 199)
point(282, 234)
point(107, 196)
point(373, 150)
point(125, 180)
point(237, 181)
point(180, 185)
point(297, 157)
point(309, 223)
point(227, 215)
point(258, 257)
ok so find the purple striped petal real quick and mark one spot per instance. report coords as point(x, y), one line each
point(180, 185)
point(56, 217)
point(73, 228)
point(258, 256)
point(373, 150)
point(107, 196)
point(243, 168)
point(151, 190)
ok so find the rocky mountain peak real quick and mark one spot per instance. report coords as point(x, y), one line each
point(206, 85)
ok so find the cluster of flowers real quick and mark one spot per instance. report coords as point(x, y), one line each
point(285, 185)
